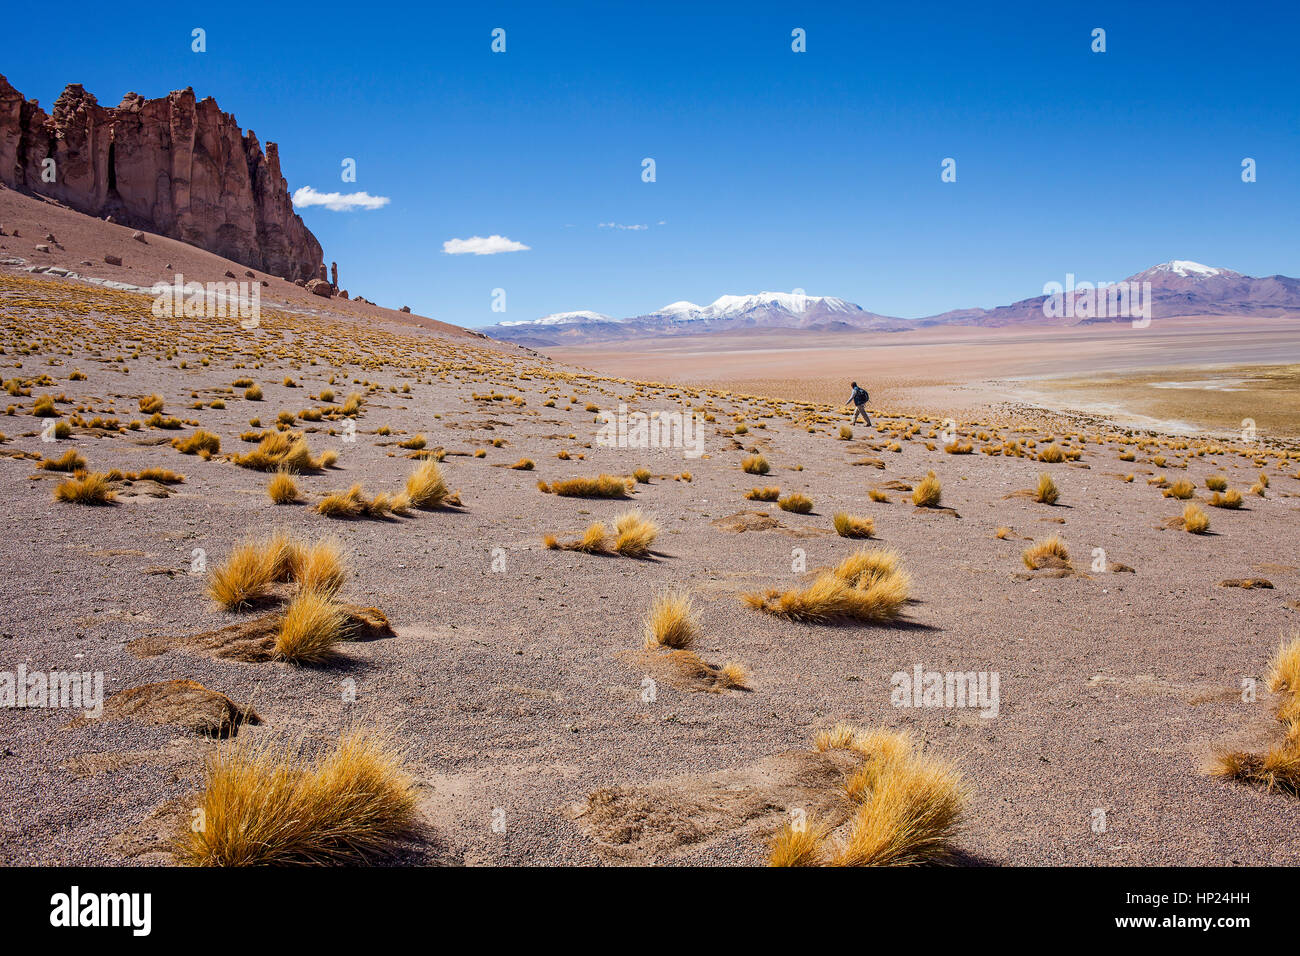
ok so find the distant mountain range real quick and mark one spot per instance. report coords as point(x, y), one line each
point(1177, 288)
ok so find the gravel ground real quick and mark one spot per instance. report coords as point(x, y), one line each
point(512, 676)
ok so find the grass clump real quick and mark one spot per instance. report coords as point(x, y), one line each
point(770, 493)
point(796, 503)
point(868, 586)
point(426, 488)
point(202, 442)
point(671, 622)
point(269, 807)
point(283, 490)
point(634, 534)
point(84, 488)
point(1194, 520)
point(277, 451)
point(906, 807)
point(928, 493)
point(602, 486)
point(313, 624)
point(1052, 553)
point(245, 577)
point(755, 465)
point(1046, 492)
point(70, 460)
point(593, 541)
point(1231, 499)
point(852, 526)
point(1278, 768)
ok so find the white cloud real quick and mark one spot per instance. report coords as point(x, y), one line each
point(338, 202)
point(619, 225)
point(480, 246)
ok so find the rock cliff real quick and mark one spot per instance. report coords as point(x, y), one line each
point(176, 166)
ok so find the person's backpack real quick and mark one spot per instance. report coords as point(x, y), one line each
point(860, 396)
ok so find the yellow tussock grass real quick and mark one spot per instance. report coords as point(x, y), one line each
point(852, 526)
point(263, 805)
point(671, 622)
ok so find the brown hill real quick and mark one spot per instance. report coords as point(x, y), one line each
point(81, 243)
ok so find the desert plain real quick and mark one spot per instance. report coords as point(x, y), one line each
point(535, 724)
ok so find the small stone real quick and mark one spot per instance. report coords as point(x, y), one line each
point(113, 260)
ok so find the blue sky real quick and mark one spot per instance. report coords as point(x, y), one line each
point(775, 170)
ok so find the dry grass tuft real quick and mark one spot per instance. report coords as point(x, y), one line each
point(313, 624)
point(277, 451)
point(282, 489)
point(353, 503)
point(202, 442)
point(928, 493)
point(86, 489)
point(1052, 454)
point(1051, 553)
point(593, 541)
point(1217, 483)
point(796, 503)
point(602, 486)
point(1181, 489)
point(799, 845)
point(426, 488)
point(634, 534)
point(716, 679)
point(320, 567)
point(907, 807)
point(261, 806)
point(1278, 769)
point(1047, 493)
point(1231, 500)
point(770, 493)
point(852, 526)
point(1194, 520)
point(868, 586)
point(245, 577)
point(671, 622)
point(256, 563)
point(755, 465)
point(1284, 669)
point(70, 460)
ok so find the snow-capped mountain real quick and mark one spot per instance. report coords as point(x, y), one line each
point(781, 310)
point(1185, 268)
point(562, 318)
point(1179, 287)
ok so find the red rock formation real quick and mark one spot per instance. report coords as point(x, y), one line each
point(174, 166)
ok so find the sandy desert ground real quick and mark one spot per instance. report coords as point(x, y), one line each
point(515, 675)
point(1113, 373)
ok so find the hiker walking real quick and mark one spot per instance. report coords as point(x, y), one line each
point(859, 398)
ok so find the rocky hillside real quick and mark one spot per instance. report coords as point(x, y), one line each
point(176, 166)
